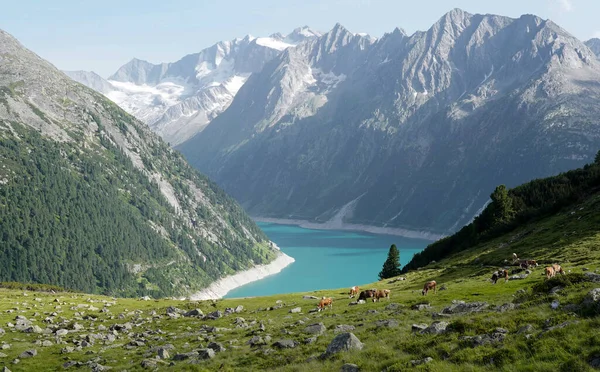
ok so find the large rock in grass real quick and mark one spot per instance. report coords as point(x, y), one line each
point(592, 277)
point(28, 354)
point(315, 329)
point(461, 307)
point(348, 367)
point(343, 342)
point(194, 312)
point(593, 297)
point(343, 328)
point(436, 328)
point(285, 344)
point(206, 354)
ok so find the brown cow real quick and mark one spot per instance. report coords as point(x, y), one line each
point(549, 272)
point(381, 293)
point(428, 286)
point(500, 274)
point(558, 269)
point(325, 302)
point(354, 291)
point(369, 293)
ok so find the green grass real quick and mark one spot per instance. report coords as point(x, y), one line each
point(571, 239)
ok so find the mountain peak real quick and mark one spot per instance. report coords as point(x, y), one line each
point(594, 45)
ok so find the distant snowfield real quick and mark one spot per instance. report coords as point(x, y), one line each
point(332, 225)
point(224, 285)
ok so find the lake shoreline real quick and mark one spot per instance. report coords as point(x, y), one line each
point(415, 234)
point(221, 287)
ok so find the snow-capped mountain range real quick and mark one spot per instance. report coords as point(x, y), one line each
point(410, 131)
point(177, 100)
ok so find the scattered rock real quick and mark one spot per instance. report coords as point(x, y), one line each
point(309, 297)
point(239, 309)
point(528, 328)
point(390, 323)
point(555, 290)
point(28, 354)
point(163, 353)
point(310, 340)
point(214, 315)
point(418, 327)
point(145, 298)
point(443, 287)
point(555, 304)
point(295, 310)
point(2, 355)
point(343, 342)
point(348, 367)
point(47, 343)
point(217, 347)
point(343, 328)
point(422, 361)
point(372, 312)
point(505, 307)
point(5, 369)
point(16, 361)
point(480, 340)
point(149, 363)
point(420, 307)
point(67, 350)
point(206, 354)
point(461, 307)
point(436, 328)
point(184, 356)
point(194, 312)
point(593, 297)
point(392, 306)
point(256, 341)
point(285, 344)
point(315, 329)
point(518, 277)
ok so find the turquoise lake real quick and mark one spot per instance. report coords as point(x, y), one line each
point(327, 259)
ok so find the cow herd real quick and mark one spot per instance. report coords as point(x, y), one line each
point(378, 294)
point(549, 271)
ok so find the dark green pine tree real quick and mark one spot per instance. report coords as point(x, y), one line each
point(391, 266)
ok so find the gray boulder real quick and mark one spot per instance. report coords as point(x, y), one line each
point(436, 328)
point(315, 329)
point(256, 341)
point(285, 344)
point(343, 342)
point(206, 354)
point(348, 367)
point(421, 361)
point(28, 354)
point(461, 307)
point(194, 312)
point(217, 347)
point(592, 277)
point(343, 328)
point(418, 327)
point(389, 323)
point(420, 307)
point(296, 310)
point(184, 356)
point(309, 297)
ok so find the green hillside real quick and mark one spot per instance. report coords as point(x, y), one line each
point(91, 199)
point(514, 328)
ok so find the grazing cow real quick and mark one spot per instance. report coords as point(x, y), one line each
point(325, 302)
point(525, 264)
point(354, 291)
point(500, 274)
point(381, 293)
point(428, 286)
point(558, 269)
point(549, 272)
point(369, 293)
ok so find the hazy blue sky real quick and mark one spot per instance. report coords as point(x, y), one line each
point(103, 35)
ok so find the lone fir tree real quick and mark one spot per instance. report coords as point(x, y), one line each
point(391, 266)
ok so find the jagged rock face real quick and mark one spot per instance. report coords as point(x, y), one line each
point(179, 99)
point(92, 80)
point(198, 232)
point(594, 45)
point(390, 133)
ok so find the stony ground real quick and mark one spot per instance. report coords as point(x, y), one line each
point(528, 323)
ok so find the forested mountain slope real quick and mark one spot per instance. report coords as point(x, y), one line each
point(514, 208)
point(91, 199)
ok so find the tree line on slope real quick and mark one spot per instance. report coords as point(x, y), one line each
point(512, 208)
point(80, 220)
